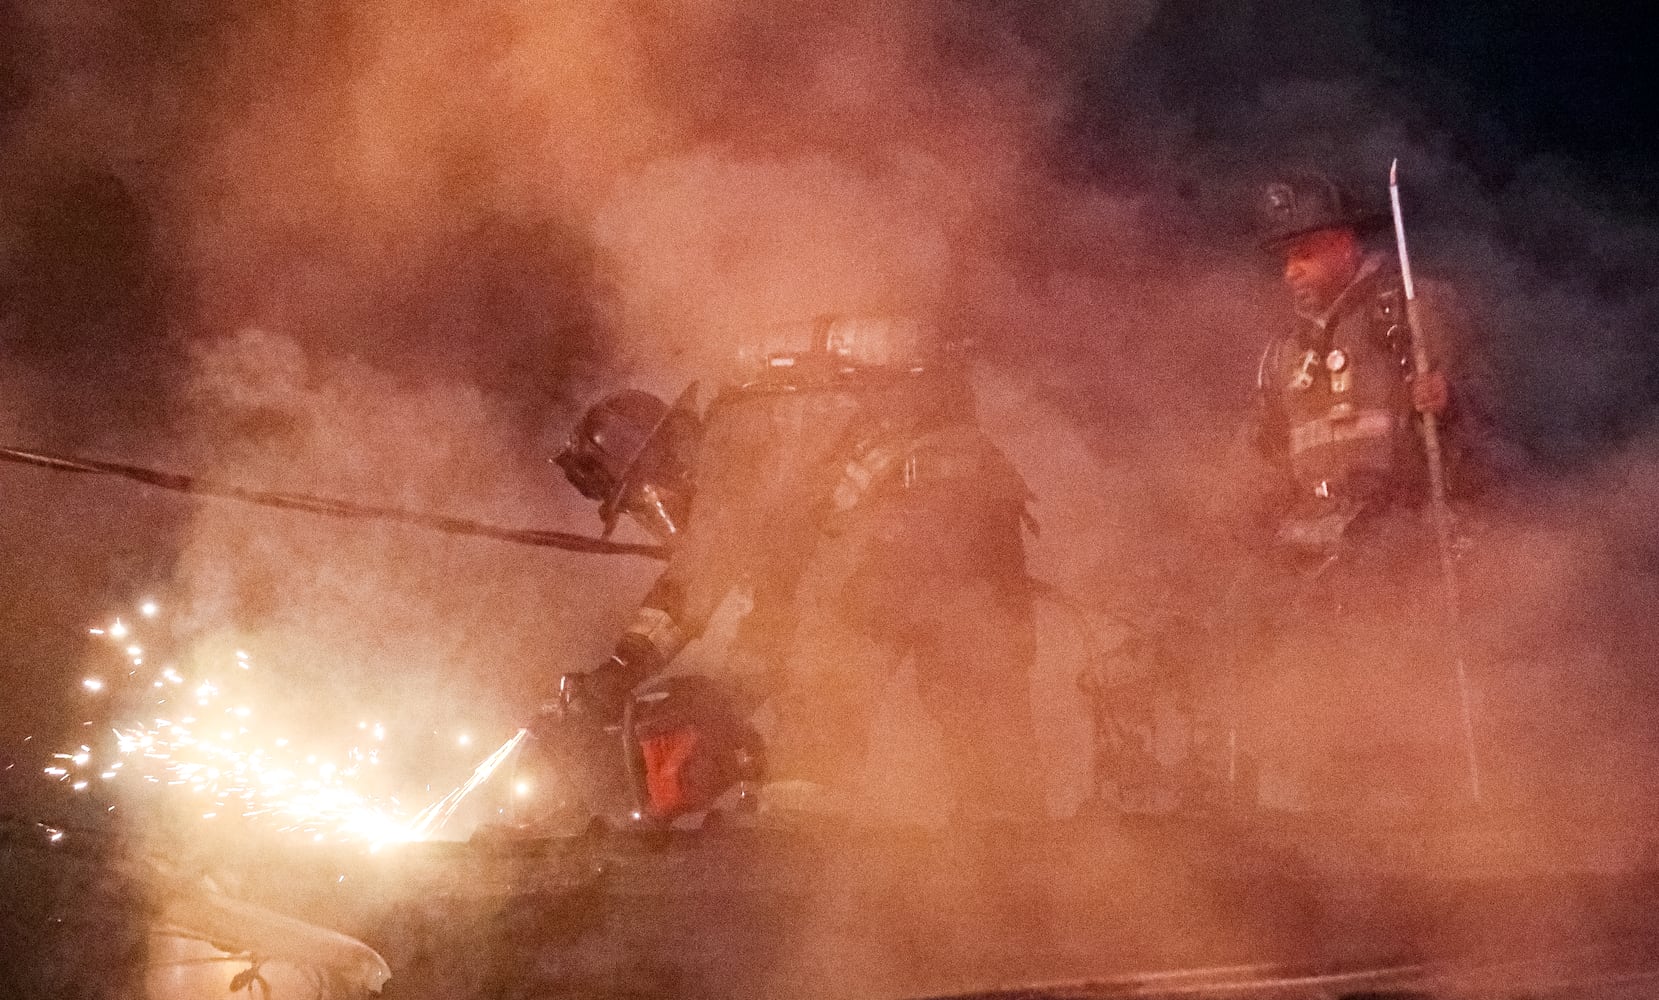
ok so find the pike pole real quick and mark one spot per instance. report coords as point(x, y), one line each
point(1442, 514)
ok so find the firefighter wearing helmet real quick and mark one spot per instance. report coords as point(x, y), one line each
point(1327, 628)
point(634, 454)
point(841, 479)
point(1336, 397)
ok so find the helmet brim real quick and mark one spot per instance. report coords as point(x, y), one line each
point(1362, 223)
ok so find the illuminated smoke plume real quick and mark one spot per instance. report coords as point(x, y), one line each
point(388, 251)
point(422, 629)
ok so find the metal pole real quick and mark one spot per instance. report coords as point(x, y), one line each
point(1442, 516)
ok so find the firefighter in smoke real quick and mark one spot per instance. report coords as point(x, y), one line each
point(635, 455)
point(842, 480)
point(1339, 687)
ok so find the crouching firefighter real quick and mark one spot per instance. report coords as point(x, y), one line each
point(840, 479)
point(683, 745)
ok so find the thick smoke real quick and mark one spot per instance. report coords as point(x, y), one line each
point(388, 251)
point(367, 614)
point(541, 204)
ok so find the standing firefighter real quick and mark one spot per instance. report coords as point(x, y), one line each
point(1343, 691)
point(842, 481)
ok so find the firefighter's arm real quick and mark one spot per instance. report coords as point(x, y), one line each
point(701, 571)
point(1455, 374)
point(1464, 385)
point(1252, 482)
point(1430, 393)
point(675, 611)
point(1265, 426)
point(649, 644)
point(712, 555)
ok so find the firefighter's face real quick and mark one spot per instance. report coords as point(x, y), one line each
point(1319, 265)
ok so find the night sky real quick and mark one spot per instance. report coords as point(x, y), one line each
point(1509, 82)
point(1551, 79)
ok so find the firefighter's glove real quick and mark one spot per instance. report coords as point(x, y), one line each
point(597, 695)
point(602, 693)
point(1430, 394)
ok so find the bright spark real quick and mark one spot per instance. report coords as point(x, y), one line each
point(251, 775)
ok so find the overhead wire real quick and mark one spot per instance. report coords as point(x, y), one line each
point(331, 506)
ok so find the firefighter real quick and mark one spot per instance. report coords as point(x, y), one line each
point(1340, 682)
point(842, 480)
